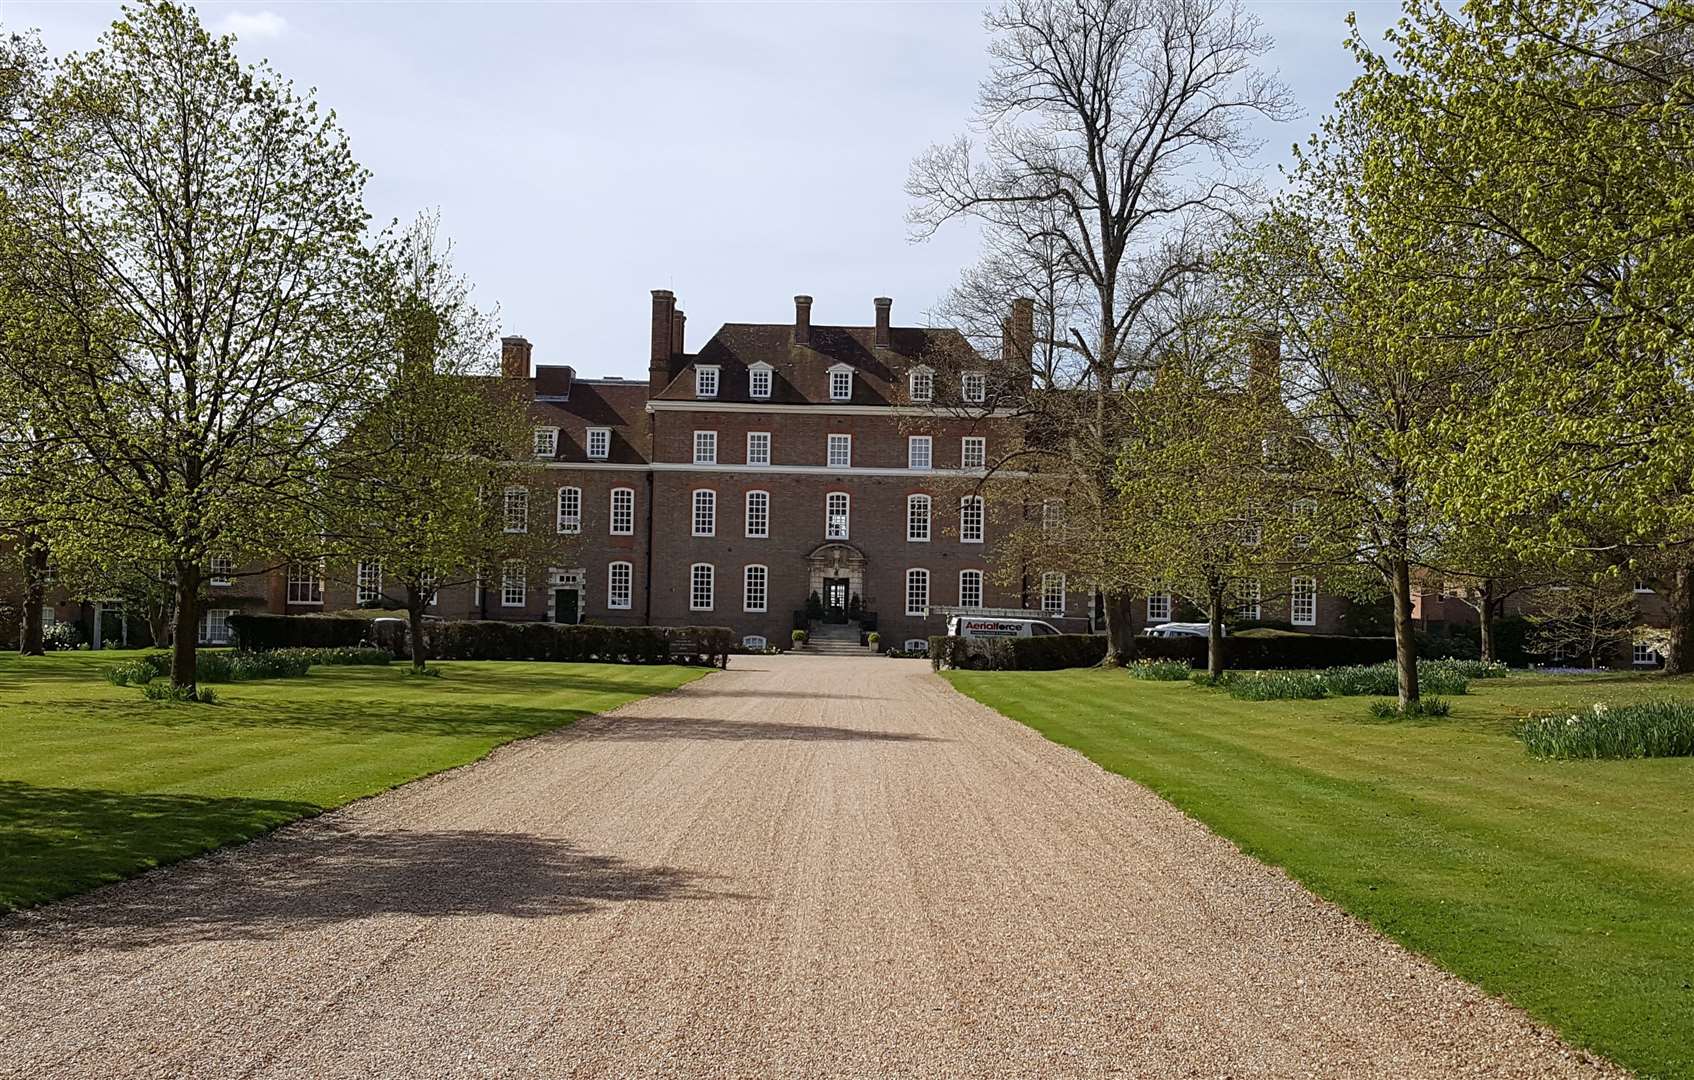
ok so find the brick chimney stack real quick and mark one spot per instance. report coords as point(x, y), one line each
point(678, 324)
point(802, 320)
point(659, 367)
point(514, 357)
point(1017, 334)
point(1264, 362)
point(883, 305)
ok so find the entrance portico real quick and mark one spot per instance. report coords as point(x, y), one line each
point(837, 574)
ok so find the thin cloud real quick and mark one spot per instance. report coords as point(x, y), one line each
point(253, 25)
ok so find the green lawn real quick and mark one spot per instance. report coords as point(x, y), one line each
point(1567, 888)
point(97, 784)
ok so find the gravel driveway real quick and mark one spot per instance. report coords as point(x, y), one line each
point(799, 867)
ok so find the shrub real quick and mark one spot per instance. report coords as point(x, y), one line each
point(873, 639)
point(1276, 685)
point(1204, 678)
point(1640, 730)
point(61, 637)
point(1159, 670)
point(1272, 650)
point(798, 637)
point(1017, 654)
point(340, 657)
point(428, 671)
point(1470, 669)
point(140, 671)
point(1389, 709)
point(491, 639)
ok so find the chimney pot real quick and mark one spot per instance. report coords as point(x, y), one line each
point(514, 357)
point(802, 320)
point(883, 338)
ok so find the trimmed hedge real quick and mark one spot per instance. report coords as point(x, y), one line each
point(493, 639)
point(263, 633)
point(1292, 651)
point(1047, 653)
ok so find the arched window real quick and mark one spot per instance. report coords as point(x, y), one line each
point(1303, 601)
point(623, 511)
point(620, 582)
point(970, 588)
point(702, 583)
point(917, 519)
point(917, 592)
point(570, 510)
point(758, 514)
point(970, 519)
point(517, 509)
point(1053, 594)
point(836, 508)
point(705, 512)
point(755, 587)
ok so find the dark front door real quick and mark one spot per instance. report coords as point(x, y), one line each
point(835, 596)
point(565, 605)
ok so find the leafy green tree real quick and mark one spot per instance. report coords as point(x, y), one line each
point(419, 481)
point(202, 229)
point(1549, 138)
point(1590, 619)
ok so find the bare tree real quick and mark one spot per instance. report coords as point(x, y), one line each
point(1114, 132)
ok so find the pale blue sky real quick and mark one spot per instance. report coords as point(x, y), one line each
point(738, 153)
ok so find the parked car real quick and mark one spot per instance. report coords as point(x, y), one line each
point(1181, 629)
point(973, 626)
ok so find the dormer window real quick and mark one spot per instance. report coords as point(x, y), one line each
point(599, 443)
point(841, 383)
point(759, 381)
point(546, 441)
point(706, 381)
point(920, 384)
point(973, 387)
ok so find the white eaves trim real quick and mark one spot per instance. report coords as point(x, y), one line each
point(819, 410)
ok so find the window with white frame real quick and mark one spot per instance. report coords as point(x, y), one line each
point(973, 452)
point(305, 583)
point(1247, 599)
point(599, 443)
point(918, 451)
point(841, 384)
point(1052, 516)
point(755, 582)
point(706, 381)
point(1645, 654)
point(759, 381)
point(970, 519)
point(546, 441)
point(623, 512)
point(570, 509)
point(517, 509)
point(755, 643)
point(1303, 601)
point(1053, 594)
point(426, 586)
point(758, 448)
point(1159, 607)
point(1305, 511)
point(214, 626)
point(758, 515)
point(620, 586)
point(920, 384)
point(836, 507)
point(367, 584)
point(970, 588)
point(702, 582)
point(705, 448)
point(917, 592)
point(514, 584)
point(705, 512)
point(221, 571)
point(973, 387)
point(840, 451)
point(917, 519)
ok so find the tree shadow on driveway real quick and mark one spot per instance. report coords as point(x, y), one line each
point(319, 874)
point(693, 729)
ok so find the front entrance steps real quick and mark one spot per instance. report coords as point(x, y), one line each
point(835, 639)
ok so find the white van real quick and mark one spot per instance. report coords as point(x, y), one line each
point(1182, 629)
point(982, 626)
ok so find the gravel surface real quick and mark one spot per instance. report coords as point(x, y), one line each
point(799, 867)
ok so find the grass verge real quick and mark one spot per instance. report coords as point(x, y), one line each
point(1566, 887)
point(98, 784)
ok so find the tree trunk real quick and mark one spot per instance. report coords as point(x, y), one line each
point(159, 625)
point(30, 641)
point(414, 625)
point(1120, 627)
point(1405, 639)
point(1214, 632)
point(1679, 657)
point(1485, 619)
point(184, 651)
